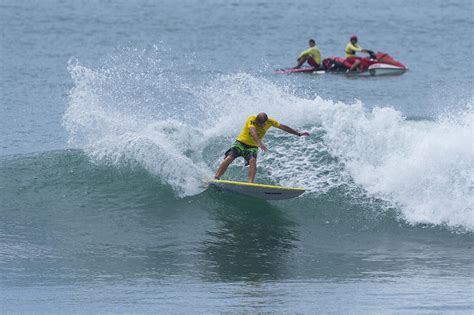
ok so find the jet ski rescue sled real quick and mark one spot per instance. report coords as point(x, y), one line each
point(299, 70)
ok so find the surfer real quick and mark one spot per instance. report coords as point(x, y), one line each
point(351, 48)
point(312, 56)
point(248, 142)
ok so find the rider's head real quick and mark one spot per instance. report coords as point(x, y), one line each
point(261, 119)
point(353, 39)
point(312, 43)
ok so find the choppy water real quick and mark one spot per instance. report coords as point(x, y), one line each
point(113, 113)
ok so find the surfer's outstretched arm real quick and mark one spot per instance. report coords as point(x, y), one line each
point(293, 131)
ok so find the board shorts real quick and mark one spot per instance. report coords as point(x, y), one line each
point(241, 149)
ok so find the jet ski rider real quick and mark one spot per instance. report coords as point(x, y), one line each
point(312, 56)
point(351, 48)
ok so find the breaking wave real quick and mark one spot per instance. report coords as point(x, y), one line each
point(133, 110)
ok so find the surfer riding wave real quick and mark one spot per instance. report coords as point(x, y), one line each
point(248, 142)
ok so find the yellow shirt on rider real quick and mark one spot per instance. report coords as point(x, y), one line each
point(313, 52)
point(245, 136)
point(352, 48)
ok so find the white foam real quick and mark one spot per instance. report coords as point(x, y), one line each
point(422, 167)
point(120, 128)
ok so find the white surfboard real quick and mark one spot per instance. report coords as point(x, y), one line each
point(267, 192)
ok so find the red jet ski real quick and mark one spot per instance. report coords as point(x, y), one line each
point(378, 64)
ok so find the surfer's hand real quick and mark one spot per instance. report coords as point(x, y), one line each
point(304, 133)
point(263, 147)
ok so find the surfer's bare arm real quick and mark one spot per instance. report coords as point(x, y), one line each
point(293, 131)
point(260, 144)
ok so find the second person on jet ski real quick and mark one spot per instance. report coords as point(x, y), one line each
point(312, 56)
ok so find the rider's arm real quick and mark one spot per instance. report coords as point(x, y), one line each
point(305, 52)
point(356, 47)
point(292, 131)
point(254, 135)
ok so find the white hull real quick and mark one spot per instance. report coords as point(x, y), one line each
point(379, 69)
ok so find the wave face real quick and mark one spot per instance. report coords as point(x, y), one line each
point(134, 111)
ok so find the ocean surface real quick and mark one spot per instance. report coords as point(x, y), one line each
point(113, 113)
